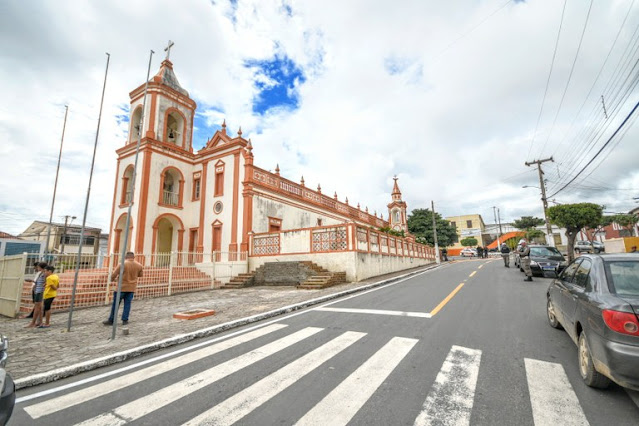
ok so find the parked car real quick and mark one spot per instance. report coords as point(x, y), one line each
point(8, 388)
point(546, 261)
point(596, 300)
point(468, 252)
point(588, 247)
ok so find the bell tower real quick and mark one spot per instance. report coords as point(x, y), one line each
point(397, 210)
point(170, 110)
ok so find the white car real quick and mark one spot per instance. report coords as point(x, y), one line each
point(468, 252)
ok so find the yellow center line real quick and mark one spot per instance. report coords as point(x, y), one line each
point(472, 273)
point(480, 266)
point(446, 300)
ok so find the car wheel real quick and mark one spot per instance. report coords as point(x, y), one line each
point(587, 370)
point(552, 318)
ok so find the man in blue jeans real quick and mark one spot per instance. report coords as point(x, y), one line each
point(132, 271)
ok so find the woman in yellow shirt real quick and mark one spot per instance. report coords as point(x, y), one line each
point(50, 292)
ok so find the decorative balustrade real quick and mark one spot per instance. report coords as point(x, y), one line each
point(170, 198)
point(262, 177)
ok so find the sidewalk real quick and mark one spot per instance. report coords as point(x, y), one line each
point(33, 352)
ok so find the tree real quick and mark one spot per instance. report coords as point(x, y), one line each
point(420, 224)
point(575, 217)
point(528, 224)
point(469, 241)
point(628, 221)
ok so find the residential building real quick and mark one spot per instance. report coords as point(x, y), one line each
point(64, 238)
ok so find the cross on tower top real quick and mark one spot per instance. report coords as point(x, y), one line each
point(167, 49)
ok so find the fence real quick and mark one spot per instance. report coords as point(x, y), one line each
point(337, 238)
point(164, 274)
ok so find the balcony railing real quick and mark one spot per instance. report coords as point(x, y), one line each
point(170, 198)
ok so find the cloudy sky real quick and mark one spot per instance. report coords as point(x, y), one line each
point(453, 97)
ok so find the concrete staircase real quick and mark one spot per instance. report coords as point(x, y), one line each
point(321, 277)
point(241, 281)
point(304, 275)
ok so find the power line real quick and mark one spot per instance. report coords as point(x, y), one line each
point(600, 150)
point(572, 69)
point(552, 64)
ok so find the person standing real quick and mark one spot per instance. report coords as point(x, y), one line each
point(38, 289)
point(480, 251)
point(132, 271)
point(485, 252)
point(39, 268)
point(505, 254)
point(445, 254)
point(524, 255)
point(50, 292)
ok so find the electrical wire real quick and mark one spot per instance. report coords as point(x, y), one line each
point(552, 64)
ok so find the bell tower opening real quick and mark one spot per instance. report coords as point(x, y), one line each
point(174, 126)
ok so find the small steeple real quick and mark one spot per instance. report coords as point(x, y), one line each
point(335, 196)
point(302, 181)
point(396, 194)
point(239, 132)
point(319, 188)
point(224, 126)
point(277, 169)
point(346, 201)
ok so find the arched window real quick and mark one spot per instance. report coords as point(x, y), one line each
point(174, 127)
point(171, 188)
point(136, 122)
point(127, 187)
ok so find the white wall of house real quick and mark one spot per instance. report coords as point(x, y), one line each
point(293, 215)
point(358, 266)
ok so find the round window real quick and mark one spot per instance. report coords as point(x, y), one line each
point(217, 207)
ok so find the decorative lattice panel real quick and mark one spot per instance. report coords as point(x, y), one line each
point(266, 245)
point(333, 239)
point(361, 235)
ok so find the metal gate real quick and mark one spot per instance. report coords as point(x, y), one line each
point(11, 279)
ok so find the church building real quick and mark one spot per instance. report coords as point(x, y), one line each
point(216, 200)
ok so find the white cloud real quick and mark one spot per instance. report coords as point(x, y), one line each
point(454, 119)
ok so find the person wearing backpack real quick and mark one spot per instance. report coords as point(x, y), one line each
point(505, 254)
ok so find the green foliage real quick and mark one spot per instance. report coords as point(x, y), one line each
point(574, 217)
point(388, 230)
point(527, 222)
point(531, 234)
point(469, 241)
point(628, 221)
point(420, 224)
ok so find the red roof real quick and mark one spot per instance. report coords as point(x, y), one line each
point(9, 236)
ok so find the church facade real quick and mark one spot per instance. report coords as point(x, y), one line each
point(216, 200)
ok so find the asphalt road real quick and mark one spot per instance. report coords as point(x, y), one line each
point(466, 343)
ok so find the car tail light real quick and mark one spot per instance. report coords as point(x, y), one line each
point(621, 322)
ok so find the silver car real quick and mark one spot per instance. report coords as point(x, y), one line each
point(596, 300)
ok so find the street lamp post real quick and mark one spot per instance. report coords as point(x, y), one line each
point(64, 231)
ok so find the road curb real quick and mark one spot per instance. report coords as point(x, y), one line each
point(72, 370)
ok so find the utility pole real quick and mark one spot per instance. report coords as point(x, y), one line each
point(437, 260)
point(64, 232)
point(499, 220)
point(499, 233)
point(549, 238)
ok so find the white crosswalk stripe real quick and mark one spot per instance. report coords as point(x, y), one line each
point(449, 401)
point(552, 398)
point(242, 403)
point(71, 399)
point(339, 407)
point(147, 404)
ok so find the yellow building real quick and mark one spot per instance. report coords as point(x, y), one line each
point(469, 225)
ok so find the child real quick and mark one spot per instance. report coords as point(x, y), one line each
point(50, 292)
point(38, 290)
